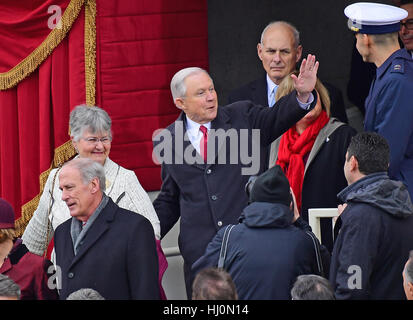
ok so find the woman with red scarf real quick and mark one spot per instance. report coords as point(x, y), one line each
point(312, 155)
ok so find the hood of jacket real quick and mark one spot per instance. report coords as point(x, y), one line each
point(379, 191)
point(266, 215)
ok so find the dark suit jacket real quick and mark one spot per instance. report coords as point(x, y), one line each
point(256, 91)
point(208, 197)
point(118, 257)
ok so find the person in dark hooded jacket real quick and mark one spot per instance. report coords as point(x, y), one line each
point(266, 251)
point(376, 231)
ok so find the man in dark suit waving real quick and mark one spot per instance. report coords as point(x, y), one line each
point(102, 247)
point(203, 181)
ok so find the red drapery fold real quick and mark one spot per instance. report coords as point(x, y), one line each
point(34, 118)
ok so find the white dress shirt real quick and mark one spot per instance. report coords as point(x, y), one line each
point(194, 134)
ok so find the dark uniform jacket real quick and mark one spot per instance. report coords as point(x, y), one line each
point(117, 257)
point(374, 241)
point(207, 197)
point(389, 112)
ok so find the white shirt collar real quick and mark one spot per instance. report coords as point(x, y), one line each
point(193, 126)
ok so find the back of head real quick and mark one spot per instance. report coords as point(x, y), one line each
point(213, 284)
point(178, 88)
point(408, 271)
point(312, 287)
point(371, 151)
point(271, 186)
point(89, 170)
point(85, 294)
point(8, 288)
point(92, 118)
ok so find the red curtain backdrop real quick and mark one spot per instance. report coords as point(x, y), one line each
point(140, 44)
point(34, 113)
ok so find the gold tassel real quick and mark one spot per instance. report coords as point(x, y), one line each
point(90, 51)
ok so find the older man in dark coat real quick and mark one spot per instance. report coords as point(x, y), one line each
point(103, 247)
point(209, 194)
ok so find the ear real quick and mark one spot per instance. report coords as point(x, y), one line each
point(180, 103)
point(366, 39)
point(354, 164)
point(299, 53)
point(410, 286)
point(95, 186)
point(259, 51)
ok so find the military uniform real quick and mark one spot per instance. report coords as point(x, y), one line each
point(389, 112)
point(389, 105)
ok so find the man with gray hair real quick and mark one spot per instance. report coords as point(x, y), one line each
point(9, 290)
point(103, 247)
point(312, 287)
point(85, 294)
point(280, 51)
point(206, 193)
point(408, 277)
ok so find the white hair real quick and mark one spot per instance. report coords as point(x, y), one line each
point(89, 170)
point(293, 29)
point(93, 118)
point(178, 88)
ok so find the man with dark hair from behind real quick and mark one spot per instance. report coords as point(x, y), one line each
point(376, 225)
point(408, 277)
point(213, 284)
point(9, 290)
point(312, 287)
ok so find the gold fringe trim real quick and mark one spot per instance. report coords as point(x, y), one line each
point(66, 151)
point(12, 77)
point(62, 154)
point(90, 51)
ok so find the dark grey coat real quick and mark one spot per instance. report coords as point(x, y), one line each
point(117, 257)
point(374, 240)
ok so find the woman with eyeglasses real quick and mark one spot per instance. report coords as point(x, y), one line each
point(91, 135)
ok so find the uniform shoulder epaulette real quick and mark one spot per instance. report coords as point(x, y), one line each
point(397, 66)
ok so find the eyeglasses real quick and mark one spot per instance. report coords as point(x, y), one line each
point(408, 24)
point(95, 140)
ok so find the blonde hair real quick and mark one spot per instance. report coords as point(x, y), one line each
point(287, 86)
point(7, 234)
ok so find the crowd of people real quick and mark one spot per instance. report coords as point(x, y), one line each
point(242, 235)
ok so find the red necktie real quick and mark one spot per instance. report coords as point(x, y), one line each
point(204, 142)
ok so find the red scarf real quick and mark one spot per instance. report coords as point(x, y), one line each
point(292, 150)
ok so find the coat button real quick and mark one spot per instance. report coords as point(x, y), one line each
point(70, 275)
point(214, 197)
point(219, 223)
point(208, 171)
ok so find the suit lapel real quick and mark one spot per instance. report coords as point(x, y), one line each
point(97, 229)
point(221, 123)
